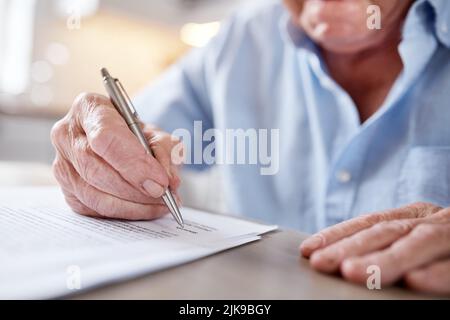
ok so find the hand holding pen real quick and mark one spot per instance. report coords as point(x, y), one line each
point(124, 106)
point(103, 169)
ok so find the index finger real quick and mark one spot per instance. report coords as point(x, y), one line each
point(426, 243)
point(111, 139)
point(347, 228)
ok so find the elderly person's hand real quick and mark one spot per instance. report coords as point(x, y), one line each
point(410, 243)
point(102, 168)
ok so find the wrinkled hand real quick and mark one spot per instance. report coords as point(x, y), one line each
point(410, 243)
point(102, 168)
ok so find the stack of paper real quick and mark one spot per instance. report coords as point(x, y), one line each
point(46, 250)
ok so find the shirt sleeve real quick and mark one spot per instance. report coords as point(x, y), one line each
point(181, 97)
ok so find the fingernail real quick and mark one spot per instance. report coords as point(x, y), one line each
point(153, 189)
point(349, 268)
point(312, 243)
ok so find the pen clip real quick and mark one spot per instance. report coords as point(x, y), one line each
point(127, 98)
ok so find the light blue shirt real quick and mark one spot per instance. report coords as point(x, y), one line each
point(261, 72)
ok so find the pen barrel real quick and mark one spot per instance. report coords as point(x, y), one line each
point(137, 131)
point(167, 197)
point(121, 101)
point(124, 106)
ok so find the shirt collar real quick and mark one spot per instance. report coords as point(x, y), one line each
point(439, 20)
point(292, 34)
point(442, 20)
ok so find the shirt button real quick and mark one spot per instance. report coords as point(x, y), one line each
point(344, 176)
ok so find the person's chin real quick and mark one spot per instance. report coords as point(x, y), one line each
point(340, 46)
point(339, 39)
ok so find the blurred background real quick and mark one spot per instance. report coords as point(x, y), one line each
point(51, 50)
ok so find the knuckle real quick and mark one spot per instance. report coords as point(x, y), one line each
point(89, 99)
point(80, 151)
point(425, 231)
point(443, 216)
point(81, 102)
point(87, 168)
point(381, 227)
point(372, 218)
point(59, 129)
point(56, 169)
point(102, 140)
point(423, 209)
point(80, 99)
point(398, 226)
point(358, 242)
point(419, 205)
point(323, 238)
point(91, 172)
point(60, 172)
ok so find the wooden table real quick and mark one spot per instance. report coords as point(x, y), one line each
point(267, 269)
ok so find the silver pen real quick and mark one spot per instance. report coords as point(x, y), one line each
point(124, 106)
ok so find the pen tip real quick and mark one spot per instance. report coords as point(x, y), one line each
point(104, 72)
point(180, 220)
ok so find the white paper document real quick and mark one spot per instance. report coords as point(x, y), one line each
point(47, 251)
